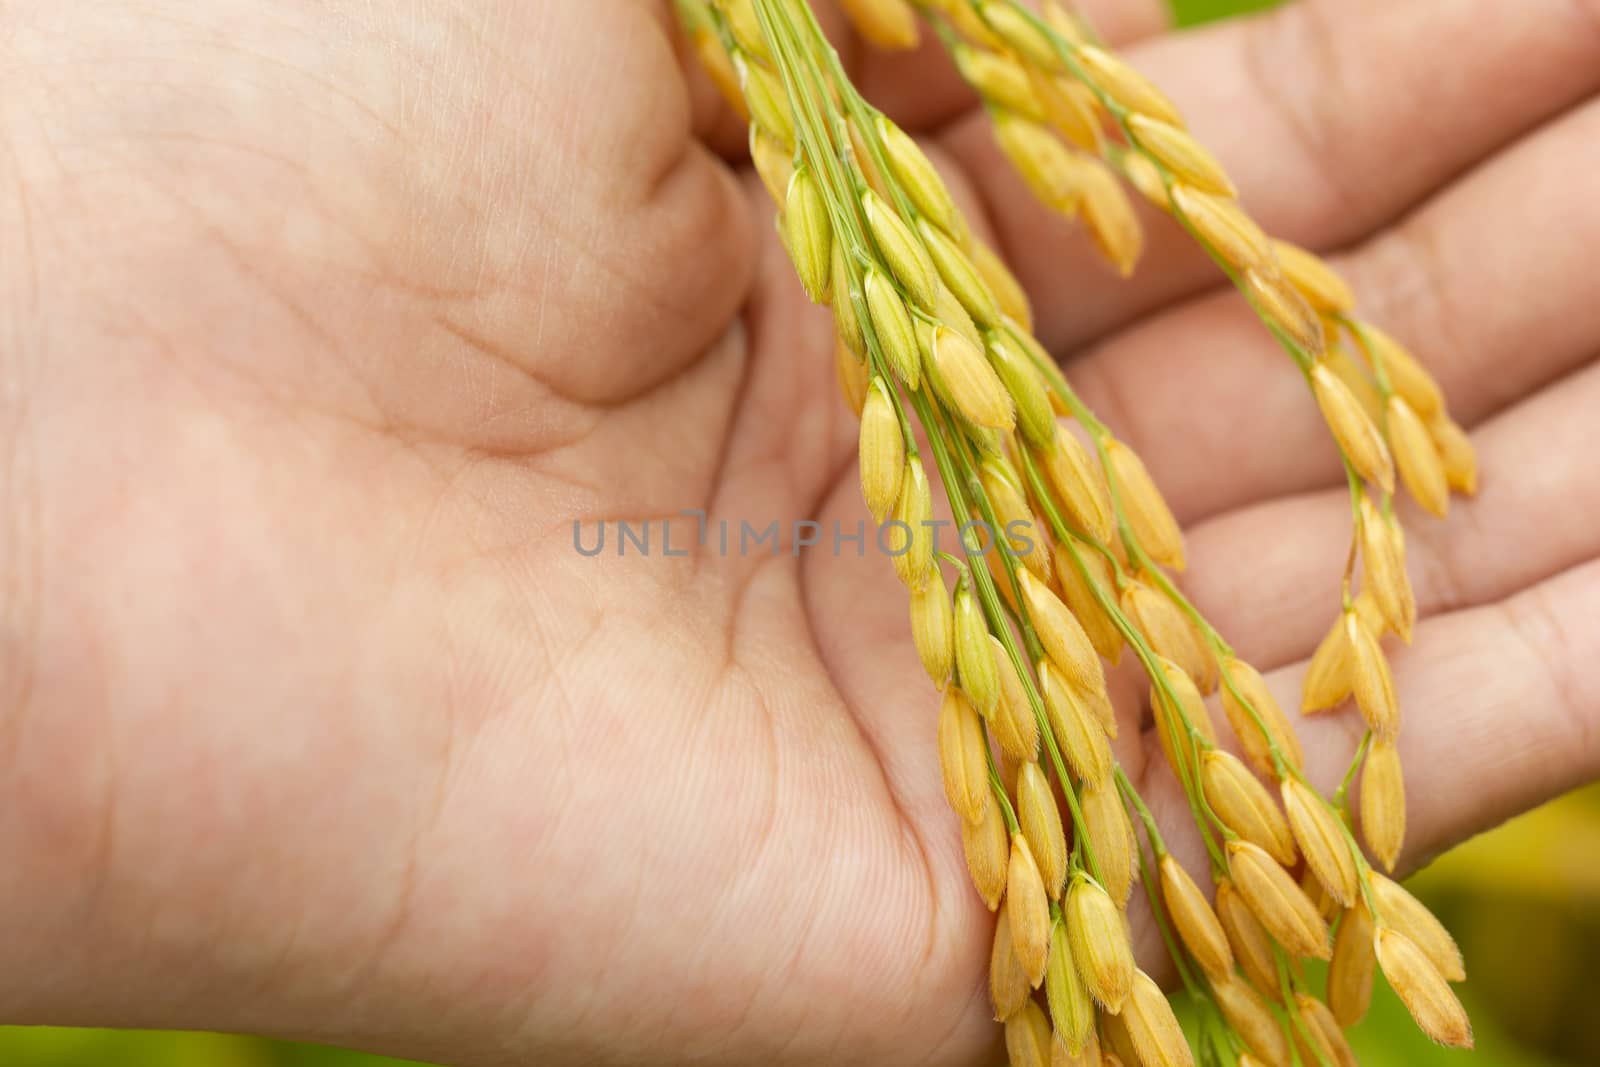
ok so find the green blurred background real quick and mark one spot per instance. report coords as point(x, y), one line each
point(1524, 902)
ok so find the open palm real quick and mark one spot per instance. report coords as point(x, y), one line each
point(325, 323)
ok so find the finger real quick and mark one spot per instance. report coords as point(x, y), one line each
point(1521, 528)
point(1332, 122)
point(1488, 284)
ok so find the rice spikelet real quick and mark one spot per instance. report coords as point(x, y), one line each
point(1008, 982)
point(1257, 742)
point(883, 453)
point(1421, 466)
point(1252, 945)
point(1100, 943)
point(1041, 825)
point(1079, 485)
point(1281, 906)
point(1081, 599)
point(1373, 684)
point(1079, 736)
point(1153, 1028)
point(1319, 283)
point(892, 322)
point(933, 629)
point(1224, 227)
point(975, 664)
point(1110, 833)
point(1321, 837)
point(1243, 804)
point(988, 854)
point(1383, 803)
point(1127, 87)
point(963, 757)
point(905, 256)
point(1353, 967)
point(1188, 160)
point(913, 510)
point(1030, 911)
point(1015, 726)
point(889, 24)
point(1423, 990)
point(1197, 925)
point(1357, 435)
point(1071, 1006)
point(1152, 520)
point(1411, 917)
point(1249, 1015)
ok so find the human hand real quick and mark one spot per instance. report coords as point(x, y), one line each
point(325, 328)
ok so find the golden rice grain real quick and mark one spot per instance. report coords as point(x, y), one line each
point(746, 28)
point(1353, 966)
point(1152, 520)
point(1383, 803)
point(913, 510)
point(975, 664)
point(1405, 913)
point(1109, 216)
point(1046, 165)
point(882, 453)
point(933, 629)
point(1035, 418)
point(808, 234)
point(1282, 907)
point(960, 275)
point(1071, 1006)
point(1061, 634)
point(1189, 161)
point(1041, 825)
point(1327, 1043)
point(1147, 178)
point(1316, 281)
point(1252, 945)
point(1079, 593)
point(1002, 82)
point(717, 64)
point(988, 853)
point(1417, 457)
point(1423, 990)
point(1110, 834)
point(889, 24)
point(1030, 911)
point(1079, 485)
point(1224, 227)
point(1243, 804)
point(852, 375)
point(974, 387)
point(768, 103)
point(1406, 375)
point(1070, 109)
point(1089, 1056)
point(1383, 562)
point(1353, 429)
point(1100, 945)
point(1153, 1028)
point(1170, 633)
point(1331, 675)
point(1455, 450)
point(1356, 379)
point(1274, 728)
point(1322, 840)
point(906, 257)
point(892, 323)
point(1373, 684)
point(1023, 36)
point(1028, 1037)
point(1016, 728)
point(1008, 292)
point(1079, 736)
point(1008, 982)
point(1197, 925)
point(1175, 721)
point(1283, 307)
point(1248, 1014)
point(1126, 86)
point(1025, 535)
point(963, 757)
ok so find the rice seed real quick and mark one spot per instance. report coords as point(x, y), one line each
point(1353, 966)
point(1219, 221)
point(1070, 108)
point(1319, 283)
point(846, 323)
point(1421, 467)
point(1243, 804)
point(1146, 177)
point(852, 375)
point(1152, 520)
point(1067, 25)
point(974, 387)
point(897, 336)
point(1170, 633)
point(1328, 1043)
point(963, 753)
point(1373, 684)
point(1079, 485)
point(913, 510)
point(1198, 926)
point(1030, 911)
point(1109, 216)
point(975, 664)
point(1455, 450)
point(1110, 833)
point(1089, 1056)
point(987, 849)
point(960, 275)
point(1274, 727)
point(1025, 535)
point(904, 255)
point(1357, 379)
point(1015, 726)
point(1252, 945)
point(1078, 591)
point(1406, 914)
point(1153, 1028)
point(1248, 1014)
point(1008, 982)
point(889, 24)
point(1174, 722)
point(1322, 840)
point(1383, 563)
point(1126, 86)
point(918, 177)
point(1008, 292)
point(1079, 736)
point(1071, 1007)
point(1001, 81)
point(1329, 679)
point(1041, 825)
point(1423, 990)
point(1035, 418)
point(768, 102)
point(1046, 165)
point(1284, 308)
point(1407, 376)
point(808, 234)
point(1383, 803)
point(933, 629)
point(1353, 429)
point(1028, 1037)
point(1063, 638)
point(1023, 36)
point(1282, 907)
point(1101, 949)
point(883, 453)
point(1181, 154)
